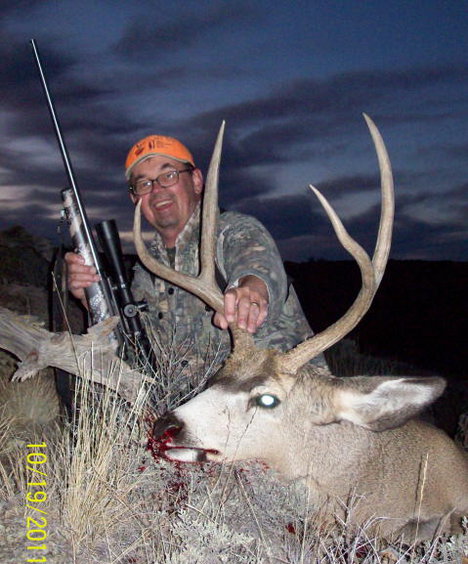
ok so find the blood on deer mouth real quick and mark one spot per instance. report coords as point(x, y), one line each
point(162, 447)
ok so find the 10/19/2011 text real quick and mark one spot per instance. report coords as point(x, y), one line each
point(36, 497)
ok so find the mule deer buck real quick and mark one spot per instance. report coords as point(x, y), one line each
point(345, 438)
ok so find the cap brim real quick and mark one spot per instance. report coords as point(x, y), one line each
point(148, 156)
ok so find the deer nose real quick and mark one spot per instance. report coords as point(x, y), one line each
point(167, 426)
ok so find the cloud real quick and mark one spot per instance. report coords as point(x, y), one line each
point(412, 240)
point(19, 7)
point(303, 231)
point(288, 216)
point(19, 75)
point(417, 239)
point(283, 132)
point(310, 120)
point(181, 31)
point(346, 93)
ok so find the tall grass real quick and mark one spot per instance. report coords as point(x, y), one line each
point(110, 502)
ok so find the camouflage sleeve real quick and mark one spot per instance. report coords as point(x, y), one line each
point(246, 248)
point(136, 282)
point(141, 283)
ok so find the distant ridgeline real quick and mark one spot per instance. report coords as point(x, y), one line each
point(24, 258)
point(419, 315)
point(26, 281)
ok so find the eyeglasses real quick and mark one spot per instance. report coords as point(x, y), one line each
point(165, 180)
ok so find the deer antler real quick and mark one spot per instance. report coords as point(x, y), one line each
point(204, 285)
point(371, 271)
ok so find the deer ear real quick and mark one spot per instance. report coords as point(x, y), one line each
point(380, 403)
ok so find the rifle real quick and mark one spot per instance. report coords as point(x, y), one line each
point(111, 295)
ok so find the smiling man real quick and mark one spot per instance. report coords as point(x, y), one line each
point(161, 172)
point(169, 184)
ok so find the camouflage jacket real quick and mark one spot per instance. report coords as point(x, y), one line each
point(182, 324)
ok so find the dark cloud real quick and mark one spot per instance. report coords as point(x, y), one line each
point(417, 239)
point(184, 31)
point(301, 218)
point(412, 240)
point(460, 192)
point(22, 94)
point(39, 221)
point(155, 78)
point(346, 185)
point(346, 95)
point(19, 75)
point(288, 216)
point(19, 7)
point(456, 150)
point(452, 203)
point(310, 119)
point(300, 227)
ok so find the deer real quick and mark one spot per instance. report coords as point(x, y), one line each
point(345, 438)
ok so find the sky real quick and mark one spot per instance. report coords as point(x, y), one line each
point(291, 79)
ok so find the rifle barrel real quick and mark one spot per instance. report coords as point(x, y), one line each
point(66, 158)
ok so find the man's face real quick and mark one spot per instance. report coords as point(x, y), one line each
point(168, 209)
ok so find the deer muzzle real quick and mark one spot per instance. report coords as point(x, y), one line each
point(170, 441)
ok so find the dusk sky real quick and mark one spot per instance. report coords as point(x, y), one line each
point(291, 79)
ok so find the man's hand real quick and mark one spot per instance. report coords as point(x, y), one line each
point(79, 276)
point(246, 305)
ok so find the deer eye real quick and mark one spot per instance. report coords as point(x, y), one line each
point(267, 401)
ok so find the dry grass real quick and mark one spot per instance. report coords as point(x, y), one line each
point(109, 502)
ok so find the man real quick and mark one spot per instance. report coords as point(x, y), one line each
point(161, 172)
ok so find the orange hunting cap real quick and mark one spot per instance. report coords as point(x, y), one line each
point(154, 145)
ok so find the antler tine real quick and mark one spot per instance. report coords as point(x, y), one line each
point(384, 238)
point(210, 216)
point(371, 271)
point(203, 286)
